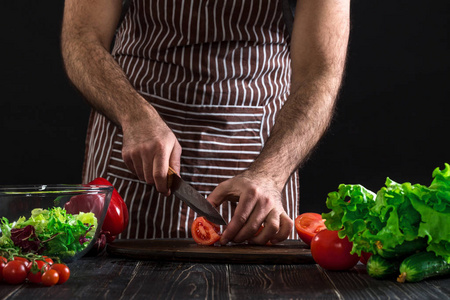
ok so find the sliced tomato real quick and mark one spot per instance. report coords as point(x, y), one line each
point(307, 225)
point(205, 232)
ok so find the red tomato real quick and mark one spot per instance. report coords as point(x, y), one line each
point(3, 262)
point(37, 268)
point(116, 218)
point(25, 262)
point(14, 272)
point(204, 232)
point(48, 260)
point(63, 272)
point(332, 252)
point(34, 277)
point(365, 257)
point(50, 277)
point(307, 225)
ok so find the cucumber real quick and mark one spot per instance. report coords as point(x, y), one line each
point(382, 268)
point(402, 250)
point(422, 265)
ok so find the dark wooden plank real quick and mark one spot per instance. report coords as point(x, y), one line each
point(356, 284)
point(288, 252)
point(279, 282)
point(119, 278)
point(91, 278)
point(178, 280)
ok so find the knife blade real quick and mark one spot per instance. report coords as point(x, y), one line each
point(193, 198)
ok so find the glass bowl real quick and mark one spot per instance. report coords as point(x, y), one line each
point(56, 220)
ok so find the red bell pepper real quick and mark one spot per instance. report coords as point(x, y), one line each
point(116, 218)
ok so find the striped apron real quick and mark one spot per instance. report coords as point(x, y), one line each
point(218, 72)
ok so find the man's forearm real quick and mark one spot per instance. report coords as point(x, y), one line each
point(318, 51)
point(100, 79)
point(298, 127)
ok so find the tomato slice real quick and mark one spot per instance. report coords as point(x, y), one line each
point(307, 225)
point(205, 232)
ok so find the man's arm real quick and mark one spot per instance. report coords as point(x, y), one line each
point(318, 50)
point(149, 146)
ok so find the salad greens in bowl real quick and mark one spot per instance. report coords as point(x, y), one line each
point(59, 221)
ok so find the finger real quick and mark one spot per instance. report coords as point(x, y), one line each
point(160, 168)
point(271, 227)
point(253, 224)
point(175, 157)
point(129, 162)
point(147, 168)
point(134, 163)
point(219, 194)
point(286, 225)
point(242, 213)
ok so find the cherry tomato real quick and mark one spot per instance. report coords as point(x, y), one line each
point(14, 272)
point(50, 277)
point(3, 262)
point(38, 267)
point(307, 225)
point(204, 232)
point(331, 252)
point(25, 262)
point(35, 277)
point(63, 272)
point(48, 260)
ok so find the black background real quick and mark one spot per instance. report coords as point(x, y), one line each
point(391, 118)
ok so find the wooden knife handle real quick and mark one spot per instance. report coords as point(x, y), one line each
point(169, 176)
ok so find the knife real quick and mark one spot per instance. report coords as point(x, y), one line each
point(192, 198)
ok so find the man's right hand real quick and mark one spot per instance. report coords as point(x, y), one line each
point(149, 148)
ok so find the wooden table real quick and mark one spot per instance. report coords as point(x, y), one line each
point(107, 277)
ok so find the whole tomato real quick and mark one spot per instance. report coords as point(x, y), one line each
point(3, 262)
point(365, 257)
point(14, 272)
point(48, 260)
point(25, 262)
point(50, 277)
point(63, 272)
point(331, 252)
point(307, 225)
point(38, 267)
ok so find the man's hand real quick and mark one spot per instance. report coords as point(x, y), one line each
point(259, 204)
point(149, 148)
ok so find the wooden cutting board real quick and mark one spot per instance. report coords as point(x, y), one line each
point(288, 252)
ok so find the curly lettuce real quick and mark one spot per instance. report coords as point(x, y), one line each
point(51, 232)
point(395, 215)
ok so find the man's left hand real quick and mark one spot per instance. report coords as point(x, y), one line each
point(260, 204)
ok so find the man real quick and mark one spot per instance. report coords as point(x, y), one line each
point(217, 90)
